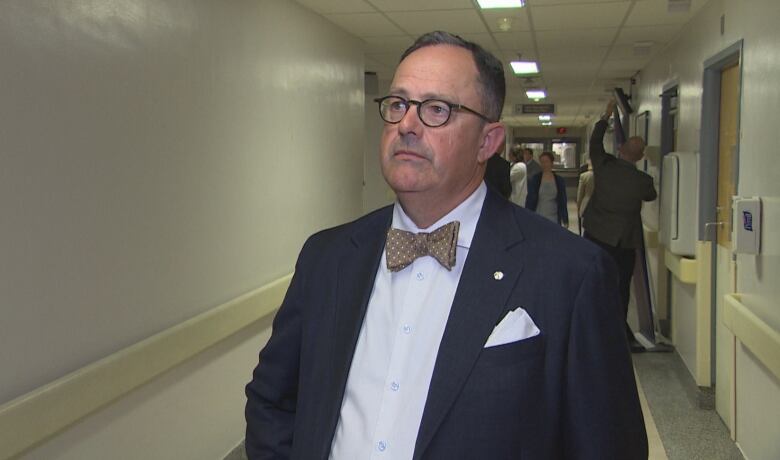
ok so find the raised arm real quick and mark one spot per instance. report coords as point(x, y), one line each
point(597, 152)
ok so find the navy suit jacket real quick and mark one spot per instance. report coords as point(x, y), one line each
point(568, 393)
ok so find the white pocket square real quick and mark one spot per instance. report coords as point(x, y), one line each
point(515, 326)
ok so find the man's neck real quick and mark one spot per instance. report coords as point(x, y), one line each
point(425, 210)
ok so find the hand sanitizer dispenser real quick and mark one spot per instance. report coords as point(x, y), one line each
point(747, 225)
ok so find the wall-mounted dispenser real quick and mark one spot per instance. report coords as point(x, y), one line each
point(747, 225)
point(679, 197)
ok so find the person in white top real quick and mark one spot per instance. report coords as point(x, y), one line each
point(517, 176)
point(452, 324)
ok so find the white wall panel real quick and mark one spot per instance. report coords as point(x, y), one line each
point(158, 159)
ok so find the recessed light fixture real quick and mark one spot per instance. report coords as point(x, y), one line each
point(524, 67)
point(545, 118)
point(535, 94)
point(488, 4)
point(546, 123)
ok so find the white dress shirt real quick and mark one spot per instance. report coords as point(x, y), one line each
point(399, 340)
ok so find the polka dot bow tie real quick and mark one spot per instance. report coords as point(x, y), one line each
point(404, 247)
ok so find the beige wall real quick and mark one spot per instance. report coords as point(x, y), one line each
point(158, 159)
point(753, 22)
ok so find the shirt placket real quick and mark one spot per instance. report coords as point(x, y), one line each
point(401, 360)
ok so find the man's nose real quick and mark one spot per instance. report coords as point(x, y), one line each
point(410, 122)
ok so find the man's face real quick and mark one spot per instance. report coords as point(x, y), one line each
point(527, 156)
point(442, 162)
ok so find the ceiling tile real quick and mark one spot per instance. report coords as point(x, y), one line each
point(567, 66)
point(560, 39)
point(417, 5)
point(629, 66)
point(454, 21)
point(365, 24)
point(575, 54)
point(660, 34)
point(577, 16)
point(515, 41)
point(654, 12)
point(337, 6)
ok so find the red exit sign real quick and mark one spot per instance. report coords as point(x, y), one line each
point(561, 130)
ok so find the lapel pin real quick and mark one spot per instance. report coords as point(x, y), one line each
point(498, 276)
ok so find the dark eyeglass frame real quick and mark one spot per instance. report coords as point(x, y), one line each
point(410, 102)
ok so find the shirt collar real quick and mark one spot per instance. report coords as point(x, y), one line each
point(467, 213)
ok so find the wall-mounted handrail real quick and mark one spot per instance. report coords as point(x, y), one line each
point(36, 416)
point(758, 336)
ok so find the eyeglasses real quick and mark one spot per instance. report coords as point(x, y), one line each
point(432, 112)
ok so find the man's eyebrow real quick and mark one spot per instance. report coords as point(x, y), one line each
point(402, 93)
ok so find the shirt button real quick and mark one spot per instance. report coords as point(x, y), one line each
point(381, 446)
point(395, 386)
point(420, 276)
point(407, 329)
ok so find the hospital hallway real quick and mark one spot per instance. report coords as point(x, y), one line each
point(164, 163)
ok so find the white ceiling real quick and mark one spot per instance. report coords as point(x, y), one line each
point(584, 47)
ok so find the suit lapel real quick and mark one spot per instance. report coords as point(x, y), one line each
point(489, 276)
point(354, 282)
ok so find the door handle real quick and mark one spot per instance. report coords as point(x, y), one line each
point(709, 225)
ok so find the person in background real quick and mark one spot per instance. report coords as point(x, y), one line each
point(584, 191)
point(532, 166)
point(612, 218)
point(451, 325)
point(547, 192)
point(517, 176)
point(497, 174)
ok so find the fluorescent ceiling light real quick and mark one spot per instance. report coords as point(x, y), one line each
point(535, 94)
point(488, 4)
point(546, 123)
point(524, 67)
point(545, 118)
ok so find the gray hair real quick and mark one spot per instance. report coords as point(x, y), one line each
point(492, 86)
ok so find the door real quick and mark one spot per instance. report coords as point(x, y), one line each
point(724, 263)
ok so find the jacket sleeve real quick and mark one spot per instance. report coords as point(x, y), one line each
point(601, 405)
point(597, 152)
point(272, 393)
point(532, 199)
point(650, 193)
point(563, 207)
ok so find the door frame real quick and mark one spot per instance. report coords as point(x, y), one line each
point(708, 171)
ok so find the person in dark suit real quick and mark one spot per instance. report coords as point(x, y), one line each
point(532, 166)
point(452, 324)
point(497, 175)
point(547, 192)
point(612, 219)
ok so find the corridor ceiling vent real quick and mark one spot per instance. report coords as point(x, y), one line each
point(524, 67)
point(678, 6)
point(643, 48)
point(504, 24)
point(491, 4)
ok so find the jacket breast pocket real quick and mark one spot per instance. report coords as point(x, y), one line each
point(513, 353)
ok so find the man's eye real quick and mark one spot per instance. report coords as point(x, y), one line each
point(398, 105)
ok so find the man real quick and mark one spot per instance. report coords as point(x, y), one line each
point(501, 341)
point(532, 166)
point(612, 217)
point(517, 177)
point(497, 174)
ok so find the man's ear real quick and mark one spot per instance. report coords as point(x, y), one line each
point(493, 136)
